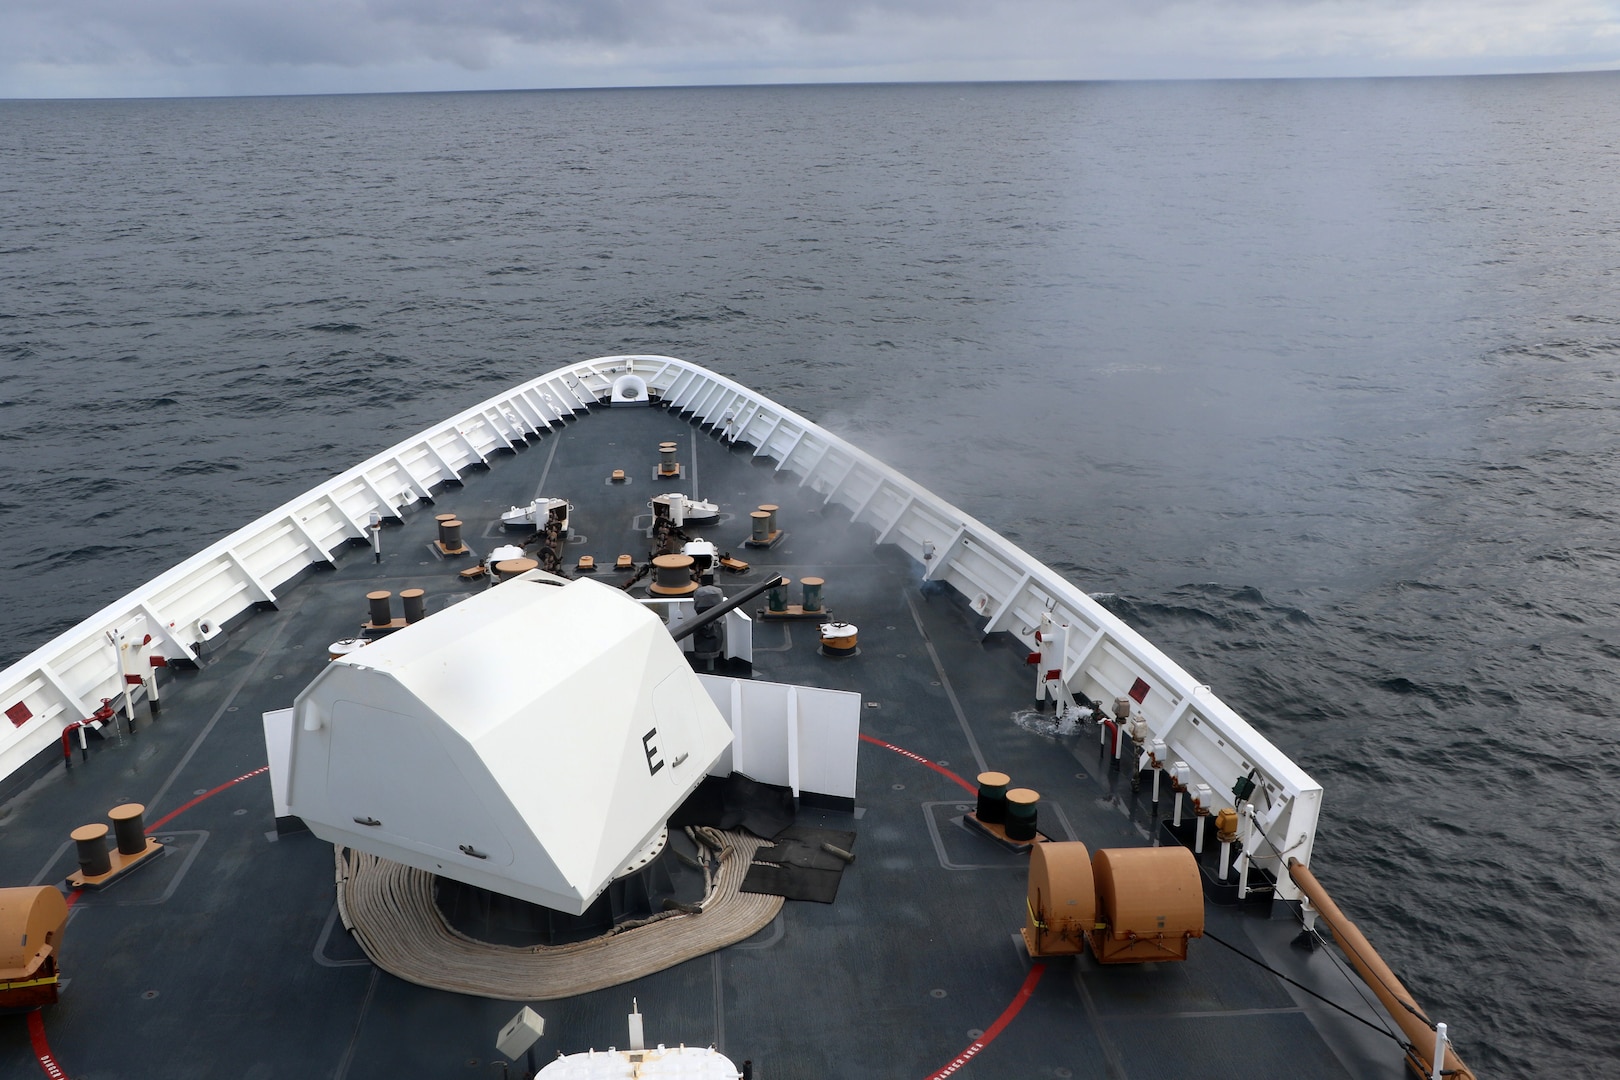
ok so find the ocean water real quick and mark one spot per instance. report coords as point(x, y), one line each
point(1317, 381)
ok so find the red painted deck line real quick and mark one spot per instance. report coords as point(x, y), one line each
point(42, 1049)
point(919, 759)
point(996, 1028)
point(172, 814)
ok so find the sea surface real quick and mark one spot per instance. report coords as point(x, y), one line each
point(1318, 383)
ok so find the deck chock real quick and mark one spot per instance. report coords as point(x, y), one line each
point(617, 476)
point(624, 562)
point(586, 565)
point(735, 566)
point(99, 867)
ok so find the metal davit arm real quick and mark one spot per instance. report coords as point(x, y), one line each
point(1420, 1031)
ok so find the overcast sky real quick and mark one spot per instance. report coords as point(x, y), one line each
point(128, 48)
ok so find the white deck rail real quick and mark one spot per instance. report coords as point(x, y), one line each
point(67, 679)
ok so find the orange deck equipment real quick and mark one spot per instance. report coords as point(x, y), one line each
point(31, 923)
point(1062, 903)
point(1150, 902)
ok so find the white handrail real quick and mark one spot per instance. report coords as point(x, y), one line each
point(56, 683)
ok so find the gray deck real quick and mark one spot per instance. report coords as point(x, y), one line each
point(223, 958)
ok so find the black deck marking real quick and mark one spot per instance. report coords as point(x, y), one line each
point(719, 1003)
point(556, 441)
point(692, 445)
point(342, 1071)
point(1111, 1058)
point(945, 681)
point(319, 952)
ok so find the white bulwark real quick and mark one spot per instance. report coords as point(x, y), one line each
point(531, 740)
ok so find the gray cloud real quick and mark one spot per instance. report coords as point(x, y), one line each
point(165, 46)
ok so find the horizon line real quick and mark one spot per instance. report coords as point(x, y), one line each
point(868, 83)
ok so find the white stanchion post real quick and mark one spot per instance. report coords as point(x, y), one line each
point(1158, 750)
point(117, 639)
point(1439, 1051)
point(1202, 797)
point(1246, 839)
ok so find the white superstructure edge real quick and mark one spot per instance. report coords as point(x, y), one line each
point(174, 614)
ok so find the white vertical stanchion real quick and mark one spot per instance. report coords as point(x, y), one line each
point(1245, 839)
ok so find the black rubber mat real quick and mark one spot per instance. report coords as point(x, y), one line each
point(798, 867)
point(737, 802)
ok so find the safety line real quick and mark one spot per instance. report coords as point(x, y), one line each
point(172, 814)
point(990, 1033)
point(42, 1049)
point(1328, 1001)
point(919, 759)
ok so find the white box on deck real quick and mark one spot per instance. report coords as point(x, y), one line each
point(529, 740)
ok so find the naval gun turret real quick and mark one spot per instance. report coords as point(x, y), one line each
point(532, 740)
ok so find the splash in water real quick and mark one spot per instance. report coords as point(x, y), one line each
point(1046, 724)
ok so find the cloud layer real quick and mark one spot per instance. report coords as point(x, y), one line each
point(114, 48)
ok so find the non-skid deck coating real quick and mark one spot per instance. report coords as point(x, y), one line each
point(223, 958)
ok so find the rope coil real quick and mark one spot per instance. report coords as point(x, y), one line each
point(390, 910)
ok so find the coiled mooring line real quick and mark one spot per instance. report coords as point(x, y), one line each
point(391, 912)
